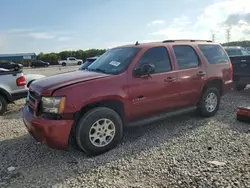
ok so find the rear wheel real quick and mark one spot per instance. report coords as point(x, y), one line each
point(209, 102)
point(63, 64)
point(240, 87)
point(99, 130)
point(3, 105)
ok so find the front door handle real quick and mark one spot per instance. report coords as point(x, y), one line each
point(170, 79)
point(243, 60)
point(201, 73)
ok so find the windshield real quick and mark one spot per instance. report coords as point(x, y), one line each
point(114, 61)
point(86, 64)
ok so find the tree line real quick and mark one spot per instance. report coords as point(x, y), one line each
point(244, 44)
point(53, 58)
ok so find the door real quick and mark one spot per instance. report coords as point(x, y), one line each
point(191, 74)
point(155, 93)
point(72, 60)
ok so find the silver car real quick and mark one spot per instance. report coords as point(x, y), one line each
point(12, 87)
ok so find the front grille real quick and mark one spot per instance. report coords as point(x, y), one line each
point(33, 101)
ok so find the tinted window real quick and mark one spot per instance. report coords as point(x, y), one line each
point(114, 61)
point(245, 52)
point(233, 51)
point(157, 56)
point(214, 54)
point(186, 57)
point(72, 59)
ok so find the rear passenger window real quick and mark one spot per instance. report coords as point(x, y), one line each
point(214, 54)
point(186, 57)
point(157, 56)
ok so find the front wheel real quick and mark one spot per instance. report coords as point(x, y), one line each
point(79, 63)
point(209, 102)
point(99, 130)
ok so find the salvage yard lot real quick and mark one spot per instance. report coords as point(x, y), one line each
point(172, 153)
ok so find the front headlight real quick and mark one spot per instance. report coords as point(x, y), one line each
point(53, 104)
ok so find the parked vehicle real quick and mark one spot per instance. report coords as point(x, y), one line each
point(88, 62)
point(240, 59)
point(12, 87)
point(32, 77)
point(127, 86)
point(39, 63)
point(70, 61)
point(11, 65)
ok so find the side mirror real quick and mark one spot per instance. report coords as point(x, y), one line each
point(145, 69)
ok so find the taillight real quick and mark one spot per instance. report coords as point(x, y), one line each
point(21, 81)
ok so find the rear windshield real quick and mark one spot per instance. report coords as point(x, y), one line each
point(214, 54)
point(114, 61)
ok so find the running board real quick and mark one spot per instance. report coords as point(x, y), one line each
point(160, 117)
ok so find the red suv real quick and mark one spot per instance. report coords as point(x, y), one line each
point(127, 86)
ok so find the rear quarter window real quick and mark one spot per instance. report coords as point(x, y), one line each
point(214, 54)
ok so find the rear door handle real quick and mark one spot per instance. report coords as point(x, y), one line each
point(243, 60)
point(170, 79)
point(201, 73)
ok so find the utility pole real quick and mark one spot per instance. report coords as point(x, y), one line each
point(228, 34)
point(213, 36)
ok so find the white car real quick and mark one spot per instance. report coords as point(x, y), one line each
point(70, 61)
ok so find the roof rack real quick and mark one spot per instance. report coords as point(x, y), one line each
point(186, 41)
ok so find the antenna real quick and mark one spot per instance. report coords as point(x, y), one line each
point(137, 43)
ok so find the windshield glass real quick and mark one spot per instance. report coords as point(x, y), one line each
point(114, 61)
point(86, 64)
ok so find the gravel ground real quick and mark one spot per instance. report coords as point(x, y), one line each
point(184, 151)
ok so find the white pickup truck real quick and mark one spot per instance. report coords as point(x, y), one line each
point(70, 61)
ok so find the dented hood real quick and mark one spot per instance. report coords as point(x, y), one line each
point(47, 85)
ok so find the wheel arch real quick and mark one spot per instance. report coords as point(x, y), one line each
point(5, 94)
point(217, 83)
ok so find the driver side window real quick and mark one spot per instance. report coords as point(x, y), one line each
point(157, 56)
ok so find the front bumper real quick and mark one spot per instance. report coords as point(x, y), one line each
point(54, 133)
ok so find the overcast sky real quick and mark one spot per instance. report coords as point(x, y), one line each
point(56, 25)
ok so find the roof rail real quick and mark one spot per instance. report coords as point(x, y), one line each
point(188, 40)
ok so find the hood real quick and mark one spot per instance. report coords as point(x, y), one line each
point(48, 84)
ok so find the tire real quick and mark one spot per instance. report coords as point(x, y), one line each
point(239, 87)
point(208, 111)
point(3, 105)
point(16, 68)
point(79, 63)
point(86, 123)
point(63, 64)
